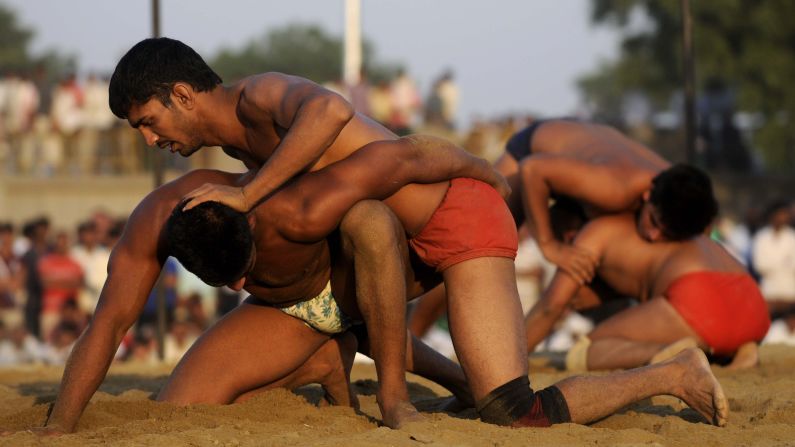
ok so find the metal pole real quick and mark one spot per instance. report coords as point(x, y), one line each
point(352, 58)
point(157, 170)
point(689, 75)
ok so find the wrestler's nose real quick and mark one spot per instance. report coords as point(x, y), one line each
point(150, 137)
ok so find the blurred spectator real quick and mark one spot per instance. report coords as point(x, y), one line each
point(61, 279)
point(442, 104)
point(97, 121)
point(63, 339)
point(114, 233)
point(774, 260)
point(405, 104)
point(66, 113)
point(22, 104)
point(195, 296)
point(360, 95)
point(167, 284)
point(93, 258)
point(380, 103)
point(179, 340)
point(10, 272)
point(36, 232)
point(18, 346)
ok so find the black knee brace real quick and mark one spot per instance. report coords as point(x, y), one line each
point(515, 404)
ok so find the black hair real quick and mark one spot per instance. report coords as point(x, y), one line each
point(776, 206)
point(684, 199)
point(88, 225)
point(151, 68)
point(565, 215)
point(211, 240)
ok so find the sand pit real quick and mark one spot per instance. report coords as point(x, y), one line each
point(762, 414)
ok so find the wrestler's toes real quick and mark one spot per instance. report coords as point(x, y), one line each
point(700, 389)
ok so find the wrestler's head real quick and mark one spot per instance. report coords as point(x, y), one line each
point(566, 217)
point(154, 87)
point(679, 205)
point(212, 241)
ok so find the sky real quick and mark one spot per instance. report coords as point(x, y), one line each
point(508, 56)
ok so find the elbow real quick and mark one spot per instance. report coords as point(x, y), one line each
point(335, 108)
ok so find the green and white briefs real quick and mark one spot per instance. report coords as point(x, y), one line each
point(321, 313)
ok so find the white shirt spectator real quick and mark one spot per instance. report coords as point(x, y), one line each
point(95, 268)
point(774, 259)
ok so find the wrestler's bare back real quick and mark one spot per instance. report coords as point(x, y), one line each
point(263, 135)
point(634, 267)
point(596, 144)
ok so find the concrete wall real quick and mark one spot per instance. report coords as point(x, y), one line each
point(68, 200)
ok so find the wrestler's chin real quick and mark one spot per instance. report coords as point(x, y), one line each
point(186, 151)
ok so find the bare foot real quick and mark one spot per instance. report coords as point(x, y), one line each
point(700, 389)
point(400, 414)
point(747, 356)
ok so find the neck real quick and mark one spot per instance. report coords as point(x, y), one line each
point(218, 118)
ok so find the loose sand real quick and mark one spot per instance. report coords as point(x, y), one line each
point(762, 414)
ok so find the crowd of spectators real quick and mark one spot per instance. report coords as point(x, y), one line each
point(765, 242)
point(50, 281)
point(62, 128)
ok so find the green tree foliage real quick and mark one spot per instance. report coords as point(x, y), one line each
point(15, 54)
point(14, 41)
point(747, 44)
point(298, 49)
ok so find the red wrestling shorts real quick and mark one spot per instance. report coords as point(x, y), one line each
point(472, 221)
point(724, 309)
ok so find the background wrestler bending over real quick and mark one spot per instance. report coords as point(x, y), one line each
point(692, 292)
point(598, 167)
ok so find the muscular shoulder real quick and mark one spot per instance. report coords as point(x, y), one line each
point(598, 233)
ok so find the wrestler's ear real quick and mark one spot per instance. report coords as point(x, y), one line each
point(655, 234)
point(183, 95)
point(237, 285)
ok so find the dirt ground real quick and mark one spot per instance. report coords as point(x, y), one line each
point(762, 404)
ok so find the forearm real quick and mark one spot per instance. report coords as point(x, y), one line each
point(435, 160)
point(539, 323)
point(86, 368)
point(301, 147)
point(549, 309)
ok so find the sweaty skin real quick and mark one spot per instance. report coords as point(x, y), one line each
point(632, 267)
point(292, 264)
point(594, 164)
point(277, 124)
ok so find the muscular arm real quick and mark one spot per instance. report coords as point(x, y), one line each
point(313, 117)
point(132, 272)
point(314, 204)
point(562, 291)
point(599, 186)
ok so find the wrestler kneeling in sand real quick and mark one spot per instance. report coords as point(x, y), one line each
point(692, 292)
point(286, 267)
point(295, 215)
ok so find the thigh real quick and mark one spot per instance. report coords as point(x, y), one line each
point(250, 347)
point(654, 321)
